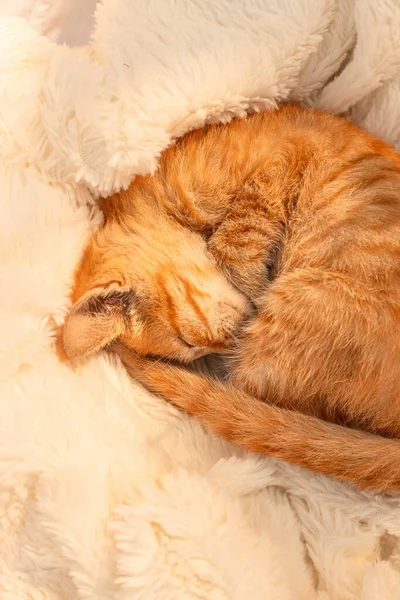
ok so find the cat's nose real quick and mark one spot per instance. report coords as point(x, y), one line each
point(217, 332)
point(233, 314)
point(199, 351)
point(228, 325)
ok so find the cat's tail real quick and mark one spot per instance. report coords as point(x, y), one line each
point(367, 460)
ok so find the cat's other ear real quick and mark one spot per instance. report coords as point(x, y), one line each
point(96, 320)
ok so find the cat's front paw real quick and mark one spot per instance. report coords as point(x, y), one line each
point(246, 272)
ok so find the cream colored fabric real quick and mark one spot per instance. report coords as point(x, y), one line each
point(107, 492)
point(63, 21)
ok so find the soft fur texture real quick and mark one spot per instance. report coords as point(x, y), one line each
point(107, 492)
point(300, 211)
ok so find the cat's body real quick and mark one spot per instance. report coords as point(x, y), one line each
point(301, 211)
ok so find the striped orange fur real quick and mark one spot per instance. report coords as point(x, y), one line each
point(275, 239)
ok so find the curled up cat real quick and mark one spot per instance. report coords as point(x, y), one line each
point(273, 240)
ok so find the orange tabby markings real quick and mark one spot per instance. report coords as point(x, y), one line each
point(298, 212)
point(368, 460)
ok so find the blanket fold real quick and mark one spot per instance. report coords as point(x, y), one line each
point(106, 492)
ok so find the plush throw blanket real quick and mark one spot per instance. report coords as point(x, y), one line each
point(106, 492)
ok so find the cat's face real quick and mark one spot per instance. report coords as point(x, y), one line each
point(157, 290)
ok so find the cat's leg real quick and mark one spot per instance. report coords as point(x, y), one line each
point(247, 245)
point(296, 351)
point(314, 347)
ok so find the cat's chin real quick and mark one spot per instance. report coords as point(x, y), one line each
point(211, 364)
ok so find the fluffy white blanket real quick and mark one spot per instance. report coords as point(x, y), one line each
point(106, 492)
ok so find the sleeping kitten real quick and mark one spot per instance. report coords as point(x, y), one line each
point(301, 212)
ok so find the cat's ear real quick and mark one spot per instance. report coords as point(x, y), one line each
point(96, 320)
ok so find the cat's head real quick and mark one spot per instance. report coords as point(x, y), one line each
point(156, 289)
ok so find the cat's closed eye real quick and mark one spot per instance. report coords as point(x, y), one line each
point(299, 212)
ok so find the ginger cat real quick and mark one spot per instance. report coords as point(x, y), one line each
point(275, 239)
